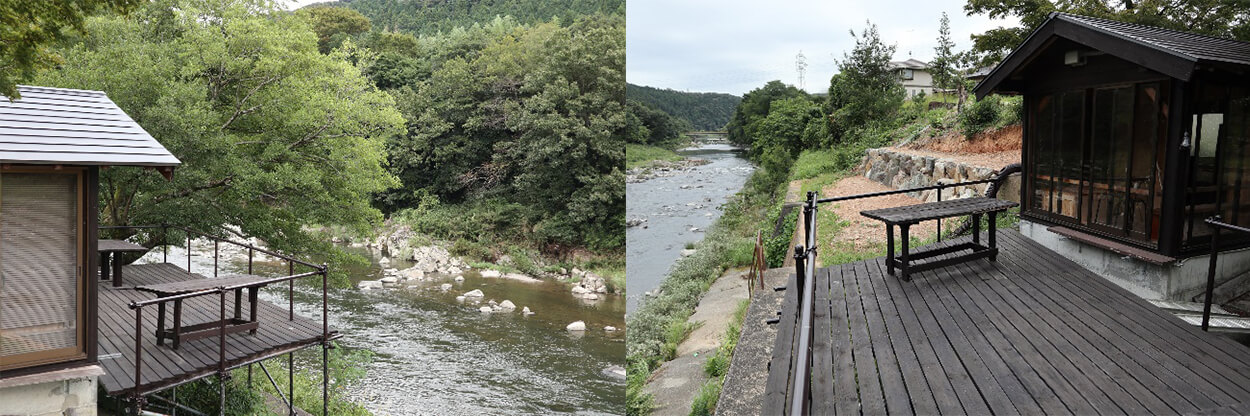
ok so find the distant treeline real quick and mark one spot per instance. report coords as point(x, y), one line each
point(424, 17)
point(704, 110)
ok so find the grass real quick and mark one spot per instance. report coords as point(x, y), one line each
point(717, 365)
point(639, 155)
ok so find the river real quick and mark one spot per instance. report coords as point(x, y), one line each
point(677, 210)
point(435, 356)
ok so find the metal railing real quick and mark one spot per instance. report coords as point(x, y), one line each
point(137, 395)
point(1217, 224)
point(805, 265)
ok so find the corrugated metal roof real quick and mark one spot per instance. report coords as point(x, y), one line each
point(74, 127)
point(1195, 47)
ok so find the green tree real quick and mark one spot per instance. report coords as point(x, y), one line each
point(944, 68)
point(28, 30)
point(527, 116)
point(755, 105)
point(333, 24)
point(866, 89)
point(272, 134)
point(1222, 18)
point(786, 126)
point(652, 126)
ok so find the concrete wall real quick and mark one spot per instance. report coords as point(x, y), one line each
point(66, 392)
point(1179, 281)
point(902, 170)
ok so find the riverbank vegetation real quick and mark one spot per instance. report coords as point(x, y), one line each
point(639, 155)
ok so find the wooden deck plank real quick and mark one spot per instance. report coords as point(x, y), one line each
point(1033, 333)
point(163, 365)
point(1048, 346)
point(872, 399)
point(992, 378)
point(1091, 368)
point(970, 397)
point(891, 377)
point(1162, 388)
point(1164, 350)
point(823, 393)
point(846, 390)
point(780, 368)
point(918, 392)
point(1058, 390)
point(940, 381)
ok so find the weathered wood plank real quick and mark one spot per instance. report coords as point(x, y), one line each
point(891, 376)
point(844, 378)
point(823, 394)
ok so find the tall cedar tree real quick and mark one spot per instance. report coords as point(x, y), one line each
point(866, 90)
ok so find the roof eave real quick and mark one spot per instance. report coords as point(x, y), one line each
point(1164, 61)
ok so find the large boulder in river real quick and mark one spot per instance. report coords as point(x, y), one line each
point(389, 279)
point(507, 305)
point(526, 311)
point(475, 293)
point(484, 309)
point(412, 273)
point(369, 285)
point(435, 259)
point(578, 326)
point(491, 273)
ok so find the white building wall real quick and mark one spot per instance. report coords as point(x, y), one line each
point(922, 80)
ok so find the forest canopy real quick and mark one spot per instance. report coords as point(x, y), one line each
point(705, 111)
point(428, 17)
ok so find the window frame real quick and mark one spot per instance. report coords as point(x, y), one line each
point(81, 346)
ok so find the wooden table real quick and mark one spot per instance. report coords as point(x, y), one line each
point(106, 249)
point(207, 329)
point(904, 217)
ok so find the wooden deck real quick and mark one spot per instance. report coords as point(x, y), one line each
point(165, 367)
point(1032, 334)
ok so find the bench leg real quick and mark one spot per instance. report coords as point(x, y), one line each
point(905, 236)
point(889, 250)
point(177, 334)
point(238, 303)
point(993, 236)
point(105, 264)
point(117, 270)
point(251, 298)
point(976, 228)
point(160, 323)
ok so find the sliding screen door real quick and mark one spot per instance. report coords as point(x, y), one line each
point(41, 293)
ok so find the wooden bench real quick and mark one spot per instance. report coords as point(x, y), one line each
point(906, 216)
point(106, 249)
point(207, 329)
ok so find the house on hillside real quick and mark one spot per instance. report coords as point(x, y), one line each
point(1133, 136)
point(64, 335)
point(914, 75)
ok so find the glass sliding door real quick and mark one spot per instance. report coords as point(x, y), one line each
point(41, 268)
point(1095, 161)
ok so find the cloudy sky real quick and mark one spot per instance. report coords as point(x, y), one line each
point(735, 46)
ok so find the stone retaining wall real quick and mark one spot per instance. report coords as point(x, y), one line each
point(901, 170)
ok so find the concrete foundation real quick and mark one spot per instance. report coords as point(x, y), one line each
point(70, 392)
point(1178, 281)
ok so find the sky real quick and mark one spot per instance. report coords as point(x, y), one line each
point(734, 46)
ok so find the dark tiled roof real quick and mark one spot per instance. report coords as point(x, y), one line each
point(74, 127)
point(1192, 46)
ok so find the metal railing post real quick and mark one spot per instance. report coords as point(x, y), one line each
point(1211, 266)
point(165, 243)
point(138, 397)
point(250, 252)
point(221, 351)
point(325, 340)
point(939, 221)
point(800, 264)
point(216, 254)
point(188, 252)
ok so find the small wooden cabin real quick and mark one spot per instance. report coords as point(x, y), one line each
point(53, 142)
point(1133, 135)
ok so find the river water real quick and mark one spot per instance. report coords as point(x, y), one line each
point(677, 210)
point(435, 356)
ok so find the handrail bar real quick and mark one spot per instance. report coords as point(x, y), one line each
point(215, 289)
point(903, 191)
point(211, 237)
point(1217, 223)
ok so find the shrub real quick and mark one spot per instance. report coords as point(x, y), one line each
point(979, 116)
point(705, 402)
